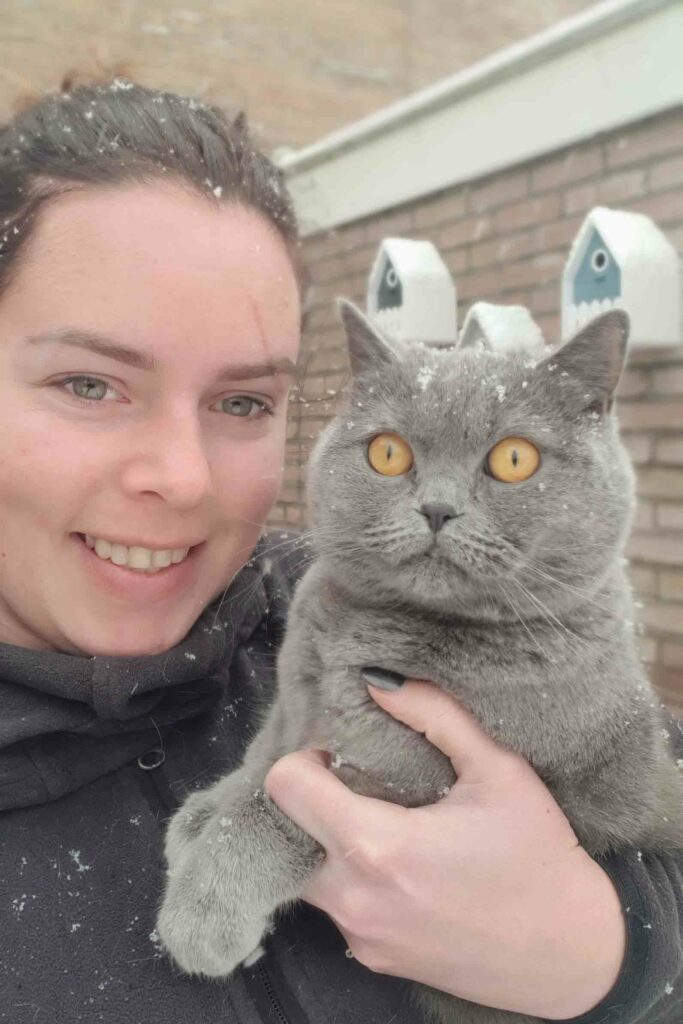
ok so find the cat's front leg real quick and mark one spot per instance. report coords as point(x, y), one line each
point(247, 859)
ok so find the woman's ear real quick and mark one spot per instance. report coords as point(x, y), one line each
point(594, 358)
point(368, 350)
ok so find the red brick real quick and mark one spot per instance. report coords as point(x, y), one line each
point(615, 188)
point(500, 249)
point(643, 547)
point(667, 174)
point(528, 212)
point(318, 246)
point(663, 135)
point(520, 297)
point(663, 618)
point(581, 199)
point(396, 223)
point(469, 229)
point(656, 482)
point(276, 515)
point(669, 450)
point(647, 648)
point(496, 191)
point(652, 415)
point(671, 586)
point(439, 211)
point(643, 581)
point(644, 518)
point(558, 234)
point(618, 187)
point(650, 356)
point(668, 381)
point(536, 271)
point(639, 447)
point(457, 260)
point(672, 654)
point(293, 514)
point(484, 284)
point(570, 167)
point(670, 516)
point(664, 208)
point(352, 235)
point(668, 683)
point(550, 327)
point(546, 299)
point(633, 383)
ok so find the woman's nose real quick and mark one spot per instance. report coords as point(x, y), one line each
point(169, 457)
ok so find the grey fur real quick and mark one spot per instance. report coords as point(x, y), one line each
point(519, 607)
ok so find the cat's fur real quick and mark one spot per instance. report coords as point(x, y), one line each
point(519, 607)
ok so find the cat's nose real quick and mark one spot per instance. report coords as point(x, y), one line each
point(437, 515)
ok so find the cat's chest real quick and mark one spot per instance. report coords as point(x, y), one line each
point(521, 689)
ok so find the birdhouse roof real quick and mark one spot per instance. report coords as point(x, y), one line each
point(627, 235)
point(413, 258)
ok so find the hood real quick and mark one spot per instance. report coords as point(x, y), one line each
point(68, 719)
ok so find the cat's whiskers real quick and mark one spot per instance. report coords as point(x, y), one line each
point(522, 622)
point(549, 616)
point(382, 529)
point(294, 542)
point(580, 592)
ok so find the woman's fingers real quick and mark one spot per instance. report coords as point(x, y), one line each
point(312, 796)
point(436, 714)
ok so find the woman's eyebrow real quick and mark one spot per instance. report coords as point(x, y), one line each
point(104, 346)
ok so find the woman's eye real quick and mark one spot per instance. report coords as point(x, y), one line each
point(390, 455)
point(513, 459)
point(95, 390)
point(94, 384)
point(244, 405)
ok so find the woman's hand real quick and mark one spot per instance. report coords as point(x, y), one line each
point(485, 894)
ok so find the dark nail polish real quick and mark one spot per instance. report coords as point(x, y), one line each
point(383, 678)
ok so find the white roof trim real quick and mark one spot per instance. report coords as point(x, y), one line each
point(616, 63)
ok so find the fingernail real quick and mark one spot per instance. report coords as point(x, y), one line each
point(383, 678)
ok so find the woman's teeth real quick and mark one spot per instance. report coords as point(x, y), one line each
point(143, 559)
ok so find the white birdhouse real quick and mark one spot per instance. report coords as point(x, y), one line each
point(622, 260)
point(501, 329)
point(411, 294)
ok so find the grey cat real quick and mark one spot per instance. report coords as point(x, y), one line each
point(446, 551)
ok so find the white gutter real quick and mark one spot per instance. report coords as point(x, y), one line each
point(616, 63)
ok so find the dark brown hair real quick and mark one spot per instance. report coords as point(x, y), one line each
point(115, 132)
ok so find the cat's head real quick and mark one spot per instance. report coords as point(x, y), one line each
point(472, 482)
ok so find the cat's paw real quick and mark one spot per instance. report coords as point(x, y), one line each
point(205, 936)
point(186, 825)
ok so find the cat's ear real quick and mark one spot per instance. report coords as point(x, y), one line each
point(594, 357)
point(368, 350)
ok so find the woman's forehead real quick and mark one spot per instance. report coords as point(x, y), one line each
point(158, 257)
point(157, 224)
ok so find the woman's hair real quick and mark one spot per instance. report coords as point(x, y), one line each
point(115, 133)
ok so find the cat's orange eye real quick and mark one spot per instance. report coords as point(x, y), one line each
point(390, 455)
point(513, 459)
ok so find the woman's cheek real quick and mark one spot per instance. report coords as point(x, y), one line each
point(259, 470)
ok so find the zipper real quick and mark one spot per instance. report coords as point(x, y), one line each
point(271, 994)
point(268, 989)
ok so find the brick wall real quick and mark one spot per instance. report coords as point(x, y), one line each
point(299, 69)
point(505, 239)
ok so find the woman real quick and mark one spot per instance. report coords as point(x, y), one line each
point(149, 315)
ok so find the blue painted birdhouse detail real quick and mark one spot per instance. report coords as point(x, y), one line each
point(598, 277)
point(390, 293)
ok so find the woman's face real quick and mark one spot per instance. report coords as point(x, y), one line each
point(187, 451)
